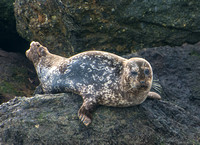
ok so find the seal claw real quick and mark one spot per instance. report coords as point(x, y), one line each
point(80, 116)
point(86, 120)
point(83, 118)
point(84, 112)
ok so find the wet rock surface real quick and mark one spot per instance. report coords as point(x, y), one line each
point(52, 119)
point(17, 76)
point(67, 27)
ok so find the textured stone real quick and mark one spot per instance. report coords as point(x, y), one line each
point(9, 38)
point(7, 19)
point(67, 27)
point(17, 76)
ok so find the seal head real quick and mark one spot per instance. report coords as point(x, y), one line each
point(35, 52)
point(137, 79)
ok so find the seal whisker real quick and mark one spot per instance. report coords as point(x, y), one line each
point(155, 83)
point(157, 86)
point(158, 89)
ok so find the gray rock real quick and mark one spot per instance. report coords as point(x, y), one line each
point(9, 38)
point(52, 118)
point(7, 19)
point(17, 76)
point(67, 27)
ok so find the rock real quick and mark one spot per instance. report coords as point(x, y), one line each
point(7, 16)
point(52, 118)
point(17, 76)
point(68, 27)
point(178, 70)
point(9, 38)
point(7, 19)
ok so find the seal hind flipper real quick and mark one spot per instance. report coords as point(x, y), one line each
point(85, 112)
point(153, 95)
point(85, 119)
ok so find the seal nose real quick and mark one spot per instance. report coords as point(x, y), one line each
point(27, 53)
point(36, 44)
point(142, 82)
point(32, 43)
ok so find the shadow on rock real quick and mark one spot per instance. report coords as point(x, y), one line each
point(17, 76)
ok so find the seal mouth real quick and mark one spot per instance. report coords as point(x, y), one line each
point(144, 86)
point(27, 53)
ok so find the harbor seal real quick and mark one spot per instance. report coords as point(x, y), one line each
point(101, 78)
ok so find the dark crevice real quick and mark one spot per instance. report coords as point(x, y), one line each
point(10, 40)
point(14, 44)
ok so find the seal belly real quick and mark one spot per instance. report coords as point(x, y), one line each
point(119, 100)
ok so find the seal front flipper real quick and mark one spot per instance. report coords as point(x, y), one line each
point(85, 112)
point(153, 95)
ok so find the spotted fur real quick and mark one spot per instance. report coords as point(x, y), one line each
point(99, 77)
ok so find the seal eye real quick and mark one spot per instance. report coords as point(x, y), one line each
point(146, 72)
point(134, 73)
point(38, 45)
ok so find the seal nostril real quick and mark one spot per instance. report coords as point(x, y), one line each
point(142, 82)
